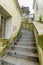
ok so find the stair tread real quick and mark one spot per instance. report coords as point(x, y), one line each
point(20, 52)
point(28, 40)
point(27, 31)
point(27, 36)
point(25, 42)
point(21, 40)
point(24, 48)
point(29, 47)
point(19, 61)
point(25, 53)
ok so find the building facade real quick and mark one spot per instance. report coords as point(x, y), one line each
point(38, 8)
point(9, 18)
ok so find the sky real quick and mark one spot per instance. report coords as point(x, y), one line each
point(28, 3)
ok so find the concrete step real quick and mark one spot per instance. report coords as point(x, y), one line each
point(21, 54)
point(27, 35)
point(26, 30)
point(8, 60)
point(33, 45)
point(24, 48)
point(26, 43)
point(27, 40)
point(18, 46)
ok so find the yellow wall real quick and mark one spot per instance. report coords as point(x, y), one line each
point(15, 20)
point(40, 51)
point(40, 55)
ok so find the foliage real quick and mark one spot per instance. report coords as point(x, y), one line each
point(40, 19)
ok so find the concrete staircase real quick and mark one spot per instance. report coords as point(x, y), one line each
point(23, 51)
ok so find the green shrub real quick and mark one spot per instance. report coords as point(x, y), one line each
point(40, 19)
point(1, 53)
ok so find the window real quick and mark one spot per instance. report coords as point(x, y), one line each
point(2, 27)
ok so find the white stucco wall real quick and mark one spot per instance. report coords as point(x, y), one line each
point(40, 8)
point(9, 5)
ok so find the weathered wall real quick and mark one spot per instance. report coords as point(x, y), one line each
point(38, 44)
point(38, 39)
point(14, 21)
point(28, 24)
point(38, 8)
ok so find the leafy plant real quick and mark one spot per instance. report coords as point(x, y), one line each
point(40, 19)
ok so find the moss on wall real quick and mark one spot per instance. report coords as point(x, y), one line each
point(6, 42)
point(40, 41)
point(2, 49)
point(27, 25)
point(39, 44)
point(38, 38)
